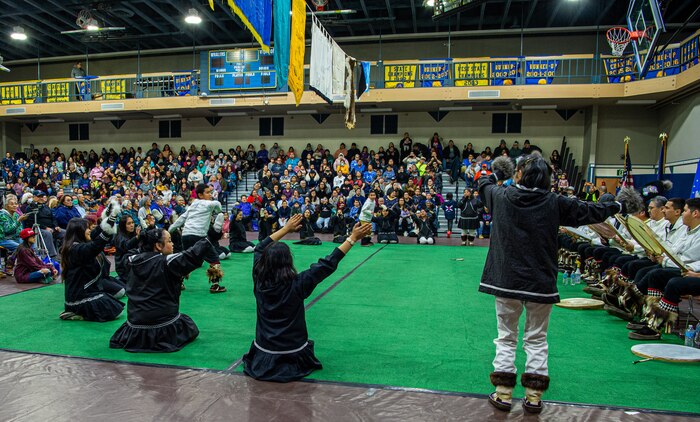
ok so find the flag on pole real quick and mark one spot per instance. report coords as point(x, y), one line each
point(626, 180)
point(256, 15)
point(662, 156)
point(695, 193)
point(297, 47)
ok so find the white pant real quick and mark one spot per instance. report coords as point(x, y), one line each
point(534, 340)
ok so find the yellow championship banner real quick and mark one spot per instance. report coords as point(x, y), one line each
point(400, 75)
point(472, 74)
point(297, 48)
point(58, 92)
point(113, 89)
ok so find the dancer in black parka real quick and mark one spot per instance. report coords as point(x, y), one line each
point(238, 242)
point(90, 294)
point(282, 351)
point(154, 322)
point(385, 221)
point(521, 267)
point(125, 240)
point(306, 234)
point(341, 225)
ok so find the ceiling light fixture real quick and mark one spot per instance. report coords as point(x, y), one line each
point(430, 3)
point(92, 25)
point(193, 17)
point(232, 114)
point(168, 116)
point(455, 108)
point(18, 33)
point(539, 107)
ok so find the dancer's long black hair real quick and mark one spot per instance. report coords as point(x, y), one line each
point(275, 267)
point(75, 233)
point(536, 172)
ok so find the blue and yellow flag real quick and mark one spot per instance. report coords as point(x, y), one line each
point(282, 22)
point(695, 193)
point(257, 17)
point(297, 48)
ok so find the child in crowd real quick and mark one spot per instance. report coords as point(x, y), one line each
point(485, 224)
point(28, 267)
point(282, 351)
point(154, 322)
point(449, 207)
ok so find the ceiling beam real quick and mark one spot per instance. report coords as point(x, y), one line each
point(481, 16)
point(413, 15)
point(555, 12)
point(364, 9)
point(576, 15)
point(505, 14)
point(148, 20)
point(391, 15)
point(533, 5)
point(174, 23)
point(210, 17)
point(339, 5)
point(604, 13)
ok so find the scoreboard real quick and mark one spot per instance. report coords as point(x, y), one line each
point(243, 68)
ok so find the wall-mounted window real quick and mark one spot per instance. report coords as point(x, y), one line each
point(79, 132)
point(271, 126)
point(506, 122)
point(170, 128)
point(382, 124)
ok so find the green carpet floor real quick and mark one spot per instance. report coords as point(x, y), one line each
point(226, 321)
point(409, 316)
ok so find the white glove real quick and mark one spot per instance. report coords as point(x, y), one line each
point(110, 216)
point(219, 222)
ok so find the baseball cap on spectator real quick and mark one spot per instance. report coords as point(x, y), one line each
point(26, 233)
point(39, 193)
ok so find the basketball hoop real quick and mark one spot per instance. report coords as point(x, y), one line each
point(618, 38)
point(320, 4)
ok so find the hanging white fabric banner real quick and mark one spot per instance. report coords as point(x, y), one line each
point(339, 74)
point(320, 78)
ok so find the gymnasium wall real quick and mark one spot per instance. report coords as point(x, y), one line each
point(388, 50)
point(543, 128)
point(640, 124)
point(681, 120)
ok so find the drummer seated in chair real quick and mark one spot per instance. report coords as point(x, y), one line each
point(665, 286)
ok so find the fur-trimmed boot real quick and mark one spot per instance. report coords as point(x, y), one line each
point(464, 240)
point(215, 274)
point(535, 385)
point(632, 300)
point(502, 398)
point(659, 314)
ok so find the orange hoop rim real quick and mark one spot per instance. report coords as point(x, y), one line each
point(619, 35)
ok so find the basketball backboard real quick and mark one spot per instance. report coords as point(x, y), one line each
point(644, 18)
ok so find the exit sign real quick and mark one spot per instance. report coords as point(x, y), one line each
point(620, 172)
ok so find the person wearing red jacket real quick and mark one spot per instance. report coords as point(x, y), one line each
point(28, 267)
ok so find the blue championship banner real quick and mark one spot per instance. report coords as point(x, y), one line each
point(620, 69)
point(665, 63)
point(540, 72)
point(689, 53)
point(504, 72)
point(400, 75)
point(434, 74)
point(471, 74)
point(184, 84)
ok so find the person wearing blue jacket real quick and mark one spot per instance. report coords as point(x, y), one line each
point(65, 212)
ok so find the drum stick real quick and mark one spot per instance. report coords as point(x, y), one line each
point(642, 360)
